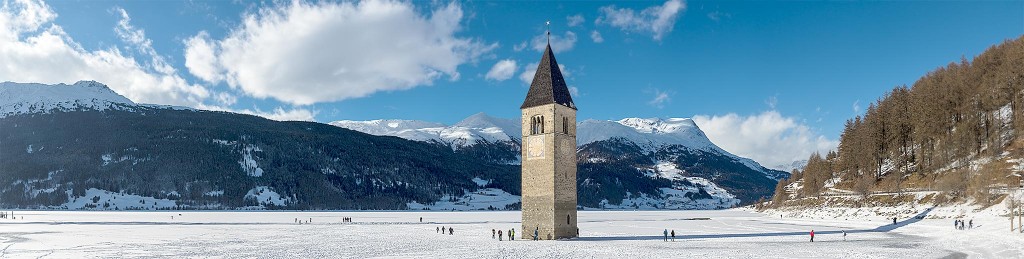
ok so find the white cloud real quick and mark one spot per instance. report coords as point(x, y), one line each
point(717, 16)
point(201, 58)
point(531, 69)
point(772, 101)
point(660, 98)
point(856, 107)
point(574, 92)
point(136, 38)
point(575, 20)
point(596, 36)
point(503, 70)
point(34, 49)
point(769, 138)
point(304, 53)
point(521, 46)
point(656, 20)
point(558, 43)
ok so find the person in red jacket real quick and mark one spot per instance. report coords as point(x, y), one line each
point(812, 235)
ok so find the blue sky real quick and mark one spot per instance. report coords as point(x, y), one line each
point(758, 76)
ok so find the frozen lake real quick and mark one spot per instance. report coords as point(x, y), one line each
point(604, 234)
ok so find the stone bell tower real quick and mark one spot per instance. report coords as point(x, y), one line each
point(549, 155)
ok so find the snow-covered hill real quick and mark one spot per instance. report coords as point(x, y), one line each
point(21, 98)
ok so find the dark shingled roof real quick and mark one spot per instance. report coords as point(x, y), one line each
point(548, 85)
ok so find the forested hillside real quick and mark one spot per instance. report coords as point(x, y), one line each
point(217, 160)
point(955, 131)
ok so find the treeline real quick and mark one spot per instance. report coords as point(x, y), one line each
point(947, 132)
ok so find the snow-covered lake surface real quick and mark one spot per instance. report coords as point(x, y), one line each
point(733, 233)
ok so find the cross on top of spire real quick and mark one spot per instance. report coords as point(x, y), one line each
point(549, 32)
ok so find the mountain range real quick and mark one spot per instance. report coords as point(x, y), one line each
point(83, 146)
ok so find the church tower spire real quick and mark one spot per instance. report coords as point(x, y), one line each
point(549, 154)
point(548, 85)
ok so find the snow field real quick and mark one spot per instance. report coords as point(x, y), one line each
point(605, 234)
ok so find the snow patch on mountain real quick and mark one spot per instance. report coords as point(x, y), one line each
point(21, 98)
point(482, 199)
point(264, 195)
point(480, 182)
point(686, 193)
point(248, 163)
point(97, 199)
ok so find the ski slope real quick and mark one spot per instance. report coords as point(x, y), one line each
point(733, 233)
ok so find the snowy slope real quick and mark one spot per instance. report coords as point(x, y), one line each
point(646, 132)
point(474, 129)
point(21, 98)
point(654, 133)
point(689, 193)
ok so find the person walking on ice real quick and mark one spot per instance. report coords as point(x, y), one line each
point(844, 235)
point(499, 235)
point(512, 235)
point(812, 235)
point(666, 234)
point(673, 235)
point(535, 233)
point(492, 233)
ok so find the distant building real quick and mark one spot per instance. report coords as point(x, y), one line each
point(549, 155)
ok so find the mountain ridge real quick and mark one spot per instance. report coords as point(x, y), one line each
point(257, 163)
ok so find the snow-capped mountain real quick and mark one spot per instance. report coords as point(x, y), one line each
point(654, 133)
point(699, 174)
point(791, 166)
point(650, 134)
point(626, 164)
point(474, 129)
point(21, 98)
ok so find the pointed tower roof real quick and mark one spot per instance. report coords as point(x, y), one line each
point(548, 85)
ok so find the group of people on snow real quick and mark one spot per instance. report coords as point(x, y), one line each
point(451, 230)
point(297, 220)
point(667, 233)
point(959, 224)
point(5, 215)
point(346, 219)
point(511, 233)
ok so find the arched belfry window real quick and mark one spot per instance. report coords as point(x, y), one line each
point(537, 125)
point(565, 125)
